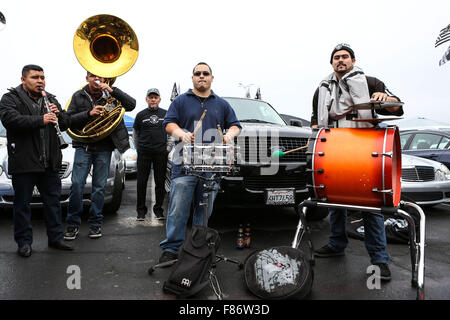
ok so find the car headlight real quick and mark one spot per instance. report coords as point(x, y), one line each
point(442, 173)
point(129, 157)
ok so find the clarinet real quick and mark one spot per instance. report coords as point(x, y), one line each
point(62, 143)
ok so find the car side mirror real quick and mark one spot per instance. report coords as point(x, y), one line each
point(295, 123)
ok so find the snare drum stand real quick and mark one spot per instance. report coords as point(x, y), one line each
point(208, 189)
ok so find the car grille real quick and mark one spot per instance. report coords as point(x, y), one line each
point(61, 172)
point(418, 174)
point(64, 167)
point(259, 183)
point(250, 149)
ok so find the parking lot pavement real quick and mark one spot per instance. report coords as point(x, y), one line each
point(115, 266)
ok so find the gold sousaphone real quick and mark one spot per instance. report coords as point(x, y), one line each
point(106, 46)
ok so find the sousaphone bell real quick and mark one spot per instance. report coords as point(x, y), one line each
point(106, 46)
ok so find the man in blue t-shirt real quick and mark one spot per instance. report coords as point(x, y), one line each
point(181, 119)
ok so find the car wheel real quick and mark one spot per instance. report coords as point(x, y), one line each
point(114, 205)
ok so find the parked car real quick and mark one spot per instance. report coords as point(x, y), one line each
point(424, 181)
point(130, 158)
point(259, 177)
point(295, 121)
point(430, 144)
point(114, 186)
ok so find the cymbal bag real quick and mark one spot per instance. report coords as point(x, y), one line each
point(278, 273)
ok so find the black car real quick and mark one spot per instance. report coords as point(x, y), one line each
point(430, 144)
point(263, 181)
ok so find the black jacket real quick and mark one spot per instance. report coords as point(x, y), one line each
point(23, 120)
point(82, 102)
point(375, 85)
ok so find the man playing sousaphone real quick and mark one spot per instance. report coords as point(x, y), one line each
point(91, 99)
point(345, 87)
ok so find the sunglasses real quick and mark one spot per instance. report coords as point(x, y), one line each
point(199, 73)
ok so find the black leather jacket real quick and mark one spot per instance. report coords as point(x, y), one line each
point(23, 119)
point(82, 102)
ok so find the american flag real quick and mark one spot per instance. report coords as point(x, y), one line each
point(446, 57)
point(444, 36)
point(258, 94)
point(174, 92)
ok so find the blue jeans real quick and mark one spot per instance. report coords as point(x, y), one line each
point(374, 234)
point(49, 186)
point(184, 190)
point(83, 160)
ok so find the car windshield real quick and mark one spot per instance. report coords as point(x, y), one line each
point(255, 111)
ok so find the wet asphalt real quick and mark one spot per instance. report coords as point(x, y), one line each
point(115, 266)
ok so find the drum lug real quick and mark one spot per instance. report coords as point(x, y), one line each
point(320, 154)
point(383, 191)
point(319, 170)
point(387, 154)
point(320, 186)
point(323, 139)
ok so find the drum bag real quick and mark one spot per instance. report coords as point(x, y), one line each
point(278, 273)
point(197, 255)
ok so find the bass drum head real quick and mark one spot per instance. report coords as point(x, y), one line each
point(278, 273)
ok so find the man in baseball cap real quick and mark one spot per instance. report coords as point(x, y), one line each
point(151, 145)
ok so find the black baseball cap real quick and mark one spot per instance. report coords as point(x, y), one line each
point(153, 90)
point(342, 46)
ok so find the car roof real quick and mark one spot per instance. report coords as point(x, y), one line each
point(240, 98)
point(440, 132)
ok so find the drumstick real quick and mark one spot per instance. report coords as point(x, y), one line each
point(199, 123)
point(280, 153)
point(220, 132)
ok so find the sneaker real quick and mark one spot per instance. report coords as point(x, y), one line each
point(159, 215)
point(167, 256)
point(140, 218)
point(95, 232)
point(385, 273)
point(326, 251)
point(71, 233)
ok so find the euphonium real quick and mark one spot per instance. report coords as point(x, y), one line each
point(106, 46)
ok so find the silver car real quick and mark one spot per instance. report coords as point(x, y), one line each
point(114, 186)
point(130, 158)
point(424, 181)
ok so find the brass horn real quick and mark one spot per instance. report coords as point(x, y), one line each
point(106, 46)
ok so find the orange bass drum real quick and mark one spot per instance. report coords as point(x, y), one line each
point(355, 166)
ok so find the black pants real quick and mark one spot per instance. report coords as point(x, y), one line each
point(144, 163)
point(49, 185)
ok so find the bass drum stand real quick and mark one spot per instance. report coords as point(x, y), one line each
point(416, 241)
point(208, 189)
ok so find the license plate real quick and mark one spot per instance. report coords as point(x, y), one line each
point(280, 196)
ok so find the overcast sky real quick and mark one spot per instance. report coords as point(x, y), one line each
point(283, 47)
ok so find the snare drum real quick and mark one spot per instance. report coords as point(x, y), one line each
point(355, 166)
point(211, 158)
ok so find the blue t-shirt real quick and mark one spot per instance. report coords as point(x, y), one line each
point(187, 109)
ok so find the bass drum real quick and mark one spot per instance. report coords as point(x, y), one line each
point(355, 166)
point(278, 273)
